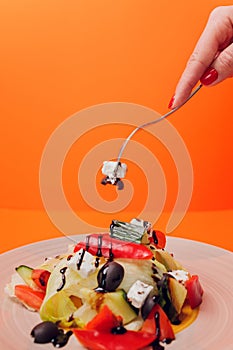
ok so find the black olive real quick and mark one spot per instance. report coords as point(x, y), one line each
point(110, 276)
point(120, 184)
point(148, 305)
point(61, 339)
point(119, 330)
point(44, 332)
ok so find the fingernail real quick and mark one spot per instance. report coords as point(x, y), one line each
point(171, 102)
point(209, 76)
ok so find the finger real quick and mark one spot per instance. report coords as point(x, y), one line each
point(223, 66)
point(216, 35)
point(196, 66)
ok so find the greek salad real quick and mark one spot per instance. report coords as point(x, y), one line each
point(116, 291)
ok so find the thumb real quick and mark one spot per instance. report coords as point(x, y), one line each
point(221, 68)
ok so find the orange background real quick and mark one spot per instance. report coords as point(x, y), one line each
point(58, 57)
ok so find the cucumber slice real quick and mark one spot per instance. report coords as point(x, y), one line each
point(117, 303)
point(25, 273)
point(127, 232)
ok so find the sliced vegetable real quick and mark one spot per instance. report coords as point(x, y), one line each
point(57, 308)
point(104, 245)
point(165, 301)
point(158, 323)
point(25, 272)
point(40, 277)
point(133, 270)
point(127, 231)
point(118, 304)
point(158, 238)
point(35, 278)
point(31, 298)
point(57, 305)
point(194, 291)
point(105, 332)
point(95, 340)
point(115, 301)
point(178, 293)
point(167, 260)
point(104, 321)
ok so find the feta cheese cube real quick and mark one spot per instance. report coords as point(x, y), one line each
point(114, 169)
point(138, 222)
point(83, 262)
point(180, 275)
point(138, 293)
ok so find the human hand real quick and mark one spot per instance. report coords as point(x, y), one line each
point(212, 59)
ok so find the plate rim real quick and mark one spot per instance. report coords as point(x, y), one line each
point(66, 239)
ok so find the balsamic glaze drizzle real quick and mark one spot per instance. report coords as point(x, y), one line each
point(100, 242)
point(87, 248)
point(62, 271)
point(156, 345)
point(87, 242)
point(113, 224)
point(157, 325)
point(97, 262)
point(99, 248)
point(119, 330)
point(79, 263)
point(111, 255)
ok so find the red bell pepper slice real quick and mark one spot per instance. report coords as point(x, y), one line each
point(32, 298)
point(104, 244)
point(161, 327)
point(97, 334)
point(95, 340)
point(158, 239)
point(40, 277)
point(194, 291)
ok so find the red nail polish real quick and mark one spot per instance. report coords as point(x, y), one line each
point(171, 102)
point(209, 76)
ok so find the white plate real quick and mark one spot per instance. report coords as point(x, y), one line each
point(211, 330)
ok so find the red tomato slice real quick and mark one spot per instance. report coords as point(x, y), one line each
point(40, 277)
point(194, 291)
point(158, 239)
point(28, 296)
